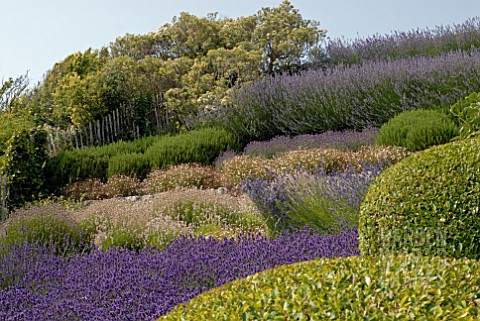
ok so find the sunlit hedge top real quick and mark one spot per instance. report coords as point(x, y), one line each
point(355, 288)
point(426, 203)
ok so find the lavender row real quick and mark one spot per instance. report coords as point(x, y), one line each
point(344, 140)
point(348, 98)
point(442, 39)
point(323, 202)
point(127, 285)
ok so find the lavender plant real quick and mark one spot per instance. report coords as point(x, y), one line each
point(427, 42)
point(324, 202)
point(127, 285)
point(342, 97)
point(344, 140)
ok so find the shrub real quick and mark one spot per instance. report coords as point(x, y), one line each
point(133, 164)
point(325, 203)
point(429, 42)
point(468, 112)
point(330, 160)
point(94, 189)
point(49, 229)
point(202, 215)
point(197, 146)
point(347, 140)
point(388, 288)
point(427, 203)
point(416, 130)
point(24, 160)
point(11, 123)
point(138, 157)
point(184, 175)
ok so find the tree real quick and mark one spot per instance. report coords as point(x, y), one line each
point(11, 92)
point(285, 38)
point(191, 36)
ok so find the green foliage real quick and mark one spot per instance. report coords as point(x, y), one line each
point(71, 165)
point(427, 203)
point(56, 231)
point(285, 38)
point(198, 146)
point(468, 112)
point(138, 157)
point(11, 122)
point(417, 130)
point(25, 159)
point(382, 288)
point(207, 216)
point(11, 92)
point(129, 164)
point(308, 207)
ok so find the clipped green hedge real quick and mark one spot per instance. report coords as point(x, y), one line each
point(354, 288)
point(417, 129)
point(197, 146)
point(139, 157)
point(427, 203)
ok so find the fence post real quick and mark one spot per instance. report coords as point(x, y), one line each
point(91, 133)
point(3, 194)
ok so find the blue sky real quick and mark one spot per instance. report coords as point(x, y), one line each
point(34, 34)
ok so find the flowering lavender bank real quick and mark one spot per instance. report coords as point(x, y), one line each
point(128, 285)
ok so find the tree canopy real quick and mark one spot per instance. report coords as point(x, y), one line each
point(185, 67)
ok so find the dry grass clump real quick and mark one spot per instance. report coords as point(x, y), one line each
point(94, 189)
point(156, 219)
point(184, 176)
point(335, 160)
point(241, 167)
point(179, 176)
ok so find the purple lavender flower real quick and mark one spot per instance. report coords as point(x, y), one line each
point(324, 202)
point(353, 97)
point(127, 285)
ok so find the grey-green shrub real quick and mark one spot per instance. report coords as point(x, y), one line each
point(417, 129)
point(428, 203)
point(63, 235)
point(352, 288)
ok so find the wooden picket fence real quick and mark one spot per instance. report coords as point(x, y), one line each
point(105, 131)
point(3, 197)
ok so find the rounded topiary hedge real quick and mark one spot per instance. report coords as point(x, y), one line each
point(428, 203)
point(354, 288)
point(417, 130)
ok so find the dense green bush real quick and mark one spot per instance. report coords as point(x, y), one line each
point(138, 157)
point(11, 123)
point(417, 130)
point(385, 288)
point(468, 112)
point(129, 164)
point(197, 146)
point(92, 162)
point(427, 203)
point(24, 160)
